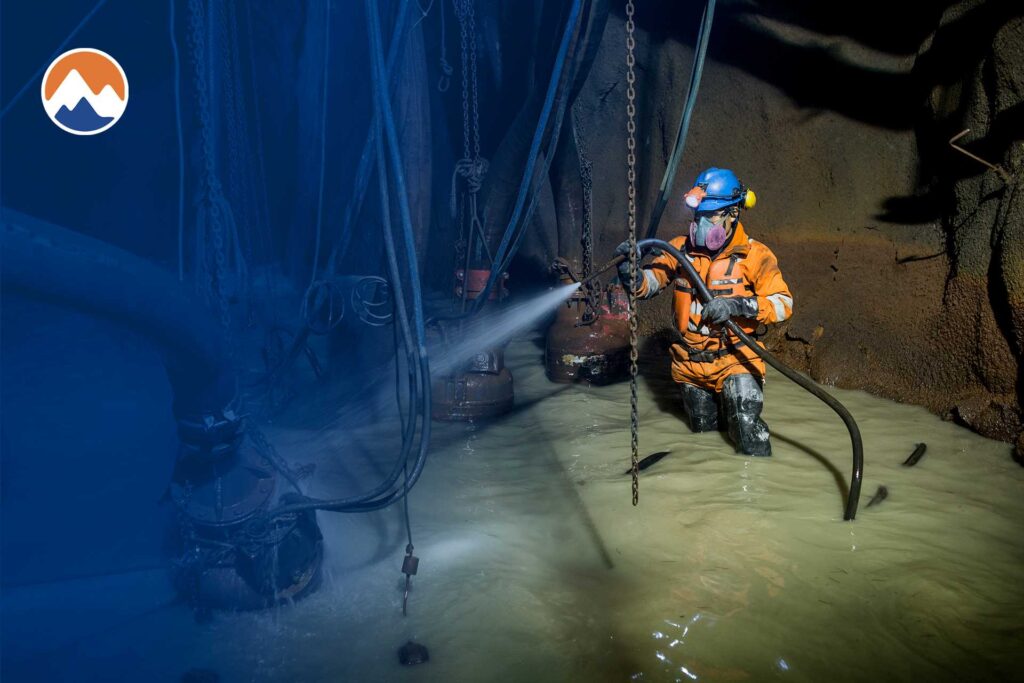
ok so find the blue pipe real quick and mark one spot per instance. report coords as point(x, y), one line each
point(48, 262)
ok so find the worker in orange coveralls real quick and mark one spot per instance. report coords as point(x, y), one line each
point(743, 276)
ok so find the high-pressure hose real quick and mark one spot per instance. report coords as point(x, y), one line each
point(702, 292)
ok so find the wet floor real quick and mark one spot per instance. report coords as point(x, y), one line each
point(536, 567)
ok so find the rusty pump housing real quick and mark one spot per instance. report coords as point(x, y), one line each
point(588, 341)
point(483, 387)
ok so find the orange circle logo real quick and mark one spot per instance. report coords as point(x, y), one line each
point(84, 91)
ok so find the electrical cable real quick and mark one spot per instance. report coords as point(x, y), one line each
point(519, 220)
point(684, 121)
point(181, 147)
point(414, 334)
point(362, 177)
point(323, 140)
point(60, 48)
point(361, 181)
point(531, 160)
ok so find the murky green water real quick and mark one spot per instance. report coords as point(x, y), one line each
point(536, 567)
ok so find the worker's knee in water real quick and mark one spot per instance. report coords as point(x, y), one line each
point(742, 393)
point(749, 435)
point(701, 408)
point(744, 399)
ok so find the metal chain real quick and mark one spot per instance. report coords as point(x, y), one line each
point(634, 419)
point(471, 167)
point(587, 182)
point(267, 450)
point(472, 73)
point(190, 565)
point(213, 195)
point(461, 11)
point(227, 83)
point(460, 243)
point(244, 201)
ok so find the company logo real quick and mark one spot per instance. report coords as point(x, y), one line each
point(84, 91)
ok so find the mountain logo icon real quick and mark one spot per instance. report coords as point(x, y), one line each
point(84, 91)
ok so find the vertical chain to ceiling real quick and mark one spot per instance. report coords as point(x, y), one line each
point(471, 167)
point(587, 183)
point(634, 420)
point(212, 195)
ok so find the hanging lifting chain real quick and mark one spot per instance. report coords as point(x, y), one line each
point(587, 183)
point(213, 194)
point(590, 287)
point(463, 10)
point(471, 167)
point(634, 420)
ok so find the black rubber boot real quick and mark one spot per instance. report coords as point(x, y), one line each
point(743, 400)
point(700, 406)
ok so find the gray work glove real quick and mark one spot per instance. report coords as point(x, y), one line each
point(721, 308)
point(623, 250)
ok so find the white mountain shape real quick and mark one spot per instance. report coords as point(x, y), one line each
point(74, 88)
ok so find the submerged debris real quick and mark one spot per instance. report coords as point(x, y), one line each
point(412, 653)
point(881, 494)
point(916, 455)
point(648, 461)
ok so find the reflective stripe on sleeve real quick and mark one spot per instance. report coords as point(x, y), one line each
point(780, 302)
point(652, 283)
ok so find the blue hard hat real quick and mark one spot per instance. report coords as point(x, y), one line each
point(722, 189)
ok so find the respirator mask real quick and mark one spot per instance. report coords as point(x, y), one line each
point(707, 234)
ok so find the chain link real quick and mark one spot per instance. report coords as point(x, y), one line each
point(212, 197)
point(634, 419)
point(587, 183)
point(462, 9)
point(472, 73)
point(267, 450)
point(471, 167)
point(241, 200)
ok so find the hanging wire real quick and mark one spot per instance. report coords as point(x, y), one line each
point(519, 219)
point(446, 69)
point(668, 179)
point(423, 12)
point(323, 141)
point(410, 317)
point(181, 147)
point(264, 231)
point(365, 168)
point(60, 48)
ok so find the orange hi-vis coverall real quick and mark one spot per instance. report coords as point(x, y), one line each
point(744, 268)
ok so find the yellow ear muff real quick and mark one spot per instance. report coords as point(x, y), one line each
point(749, 199)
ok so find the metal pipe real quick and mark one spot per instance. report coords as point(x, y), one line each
point(54, 264)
